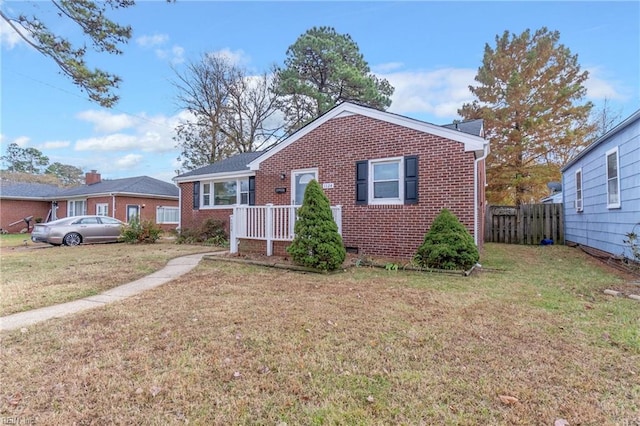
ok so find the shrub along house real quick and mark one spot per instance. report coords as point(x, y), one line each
point(601, 188)
point(142, 196)
point(386, 176)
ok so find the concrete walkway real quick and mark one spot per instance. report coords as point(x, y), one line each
point(174, 268)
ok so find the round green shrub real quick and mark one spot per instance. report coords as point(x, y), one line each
point(447, 245)
point(136, 232)
point(317, 243)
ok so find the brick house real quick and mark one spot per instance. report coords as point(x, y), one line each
point(386, 175)
point(148, 198)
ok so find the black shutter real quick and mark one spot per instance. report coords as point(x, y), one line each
point(362, 171)
point(411, 179)
point(196, 195)
point(252, 190)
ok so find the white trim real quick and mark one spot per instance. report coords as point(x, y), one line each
point(212, 182)
point(471, 142)
point(215, 176)
point(579, 204)
point(295, 172)
point(606, 173)
point(370, 181)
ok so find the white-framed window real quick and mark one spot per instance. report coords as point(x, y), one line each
point(224, 193)
point(167, 215)
point(579, 190)
point(76, 207)
point(613, 178)
point(102, 209)
point(386, 183)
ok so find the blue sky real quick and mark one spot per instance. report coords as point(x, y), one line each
point(429, 51)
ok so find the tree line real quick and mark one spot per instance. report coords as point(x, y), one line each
point(529, 91)
point(30, 164)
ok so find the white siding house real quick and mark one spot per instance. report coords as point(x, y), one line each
point(601, 190)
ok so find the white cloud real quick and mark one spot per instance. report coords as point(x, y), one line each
point(54, 144)
point(128, 161)
point(438, 92)
point(9, 38)
point(175, 55)
point(105, 122)
point(21, 141)
point(114, 142)
point(130, 133)
point(599, 88)
point(152, 40)
point(235, 57)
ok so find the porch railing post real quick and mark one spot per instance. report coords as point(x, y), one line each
point(268, 229)
point(233, 240)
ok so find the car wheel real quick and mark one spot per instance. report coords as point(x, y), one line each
point(72, 239)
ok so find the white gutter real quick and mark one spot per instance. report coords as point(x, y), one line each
point(485, 152)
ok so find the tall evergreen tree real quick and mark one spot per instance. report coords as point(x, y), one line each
point(24, 160)
point(317, 243)
point(322, 69)
point(529, 93)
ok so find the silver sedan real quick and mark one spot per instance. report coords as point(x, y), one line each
point(75, 230)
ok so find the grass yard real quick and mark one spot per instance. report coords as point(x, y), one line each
point(232, 344)
point(34, 275)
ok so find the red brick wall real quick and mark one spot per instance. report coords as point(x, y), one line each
point(445, 181)
point(190, 218)
point(16, 210)
point(147, 213)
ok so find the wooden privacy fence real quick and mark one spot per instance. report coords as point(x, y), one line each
point(527, 224)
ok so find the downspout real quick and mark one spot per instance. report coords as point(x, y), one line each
point(179, 207)
point(485, 152)
point(113, 205)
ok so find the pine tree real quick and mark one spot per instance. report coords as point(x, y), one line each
point(317, 243)
point(447, 245)
point(529, 94)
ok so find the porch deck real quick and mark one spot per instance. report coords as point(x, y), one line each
point(268, 223)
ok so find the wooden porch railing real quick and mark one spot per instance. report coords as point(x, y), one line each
point(270, 223)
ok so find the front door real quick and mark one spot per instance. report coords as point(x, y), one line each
point(299, 181)
point(133, 212)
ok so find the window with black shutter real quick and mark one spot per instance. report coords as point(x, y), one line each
point(196, 195)
point(252, 190)
point(411, 179)
point(362, 182)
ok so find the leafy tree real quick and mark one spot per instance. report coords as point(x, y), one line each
point(68, 175)
point(105, 35)
point(322, 69)
point(529, 93)
point(317, 243)
point(24, 160)
point(231, 111)
point(447, 245)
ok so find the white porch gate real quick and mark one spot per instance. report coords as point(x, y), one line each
point(269, 223)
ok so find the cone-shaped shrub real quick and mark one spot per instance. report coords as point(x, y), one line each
point(317, 243)
point(447, 245)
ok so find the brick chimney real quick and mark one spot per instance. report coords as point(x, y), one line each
point(92, 177)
